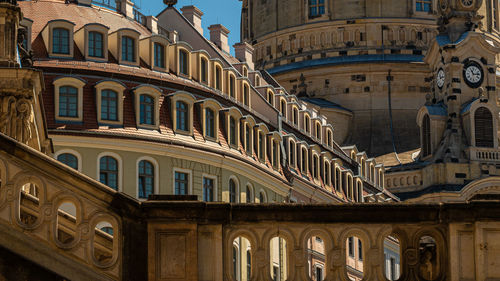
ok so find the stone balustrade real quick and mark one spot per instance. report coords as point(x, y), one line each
point(484, 154)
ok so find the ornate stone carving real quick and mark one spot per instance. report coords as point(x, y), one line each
point(16, 117)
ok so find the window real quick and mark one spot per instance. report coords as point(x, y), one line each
point(483, 123)
point(326, 173)
point(262, 197)
point(208, 189)
point(128, 49)
point(218, 78)
point(261, 146)
point(270, 98)
point(209, 123)
point(60, 41)
point(423, 5)
point(68, 101)
point(318, 130)
point(295, 116)
point(426, 136)
point(360, 250)
point(181, 183)
point(231, 86)
point(235, 261)
point(159, 50)
point(245, 72)
point(303, 165)
point(495, 14)
point(316, 8)
point(246, 95)
point(182, 116)
point(96, 45)
point(275, 154)
point(283, 108)
point(249, 264)
point(109, 105)
point(249, 194)
point(337, 178)
point(183, 62)
point(232, 191)
point(248, 139)
point(232, 131)
point(329, 138)
point(147, 104)
point(392, 261)
point(292, 153)
point(108, 175)
point(307, 124)
point(68, 159)
point(351, 246)
point(319, 273)
point(204, 70)
point(315, 167)
point(146, 179)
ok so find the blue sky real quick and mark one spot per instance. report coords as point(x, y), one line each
point(225, 12)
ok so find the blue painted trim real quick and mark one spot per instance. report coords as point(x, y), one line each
point(69, 122)
point(340, 60)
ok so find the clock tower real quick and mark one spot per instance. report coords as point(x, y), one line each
point(458, 123)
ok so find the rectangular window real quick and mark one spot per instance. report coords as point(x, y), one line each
point(60, 41)
point(159, 55)
point(204, 67)
point(232, 131)
point(109, 105)
point(95, 45)
point(181, 183)
point(147, 110)
point(423, 5)
point(275, 154)
point(68, 101)
point(247, 139)
point(316, 8)
point(261, 146)
point(208, 189)
point(360, 250)
point(183, 62)
point(128, 49)
point(209, 123)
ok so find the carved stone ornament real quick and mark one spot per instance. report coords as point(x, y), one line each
point(170, 3)
point(411, 256)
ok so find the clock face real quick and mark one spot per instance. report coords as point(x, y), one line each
point(473, 74)
point(467, 3)
point(440, 78)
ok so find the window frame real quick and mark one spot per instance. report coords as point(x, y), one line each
point(236, 114)
point(190, 179)
point(115, 44)
point(73, 82)
point(215, 194)
point(248, 144)
point(73, 152)
point(156, 175)
point(156, 94)
point(317, 7)
point(117, 87)
point(48, 35)
point(82, 40)
point(120, 167)
point(189, 100)
point(237, 195)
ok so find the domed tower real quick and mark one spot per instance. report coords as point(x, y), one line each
point(366, 56)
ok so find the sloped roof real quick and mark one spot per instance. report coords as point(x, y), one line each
point(325, 103)
point(445, 40)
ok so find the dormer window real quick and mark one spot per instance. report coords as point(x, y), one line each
point(128, 49)
point(68, 95)
point(283, 108)
point(232, 88)
point(147, 110)
point(109, 105)
point(318, 130)
point(307, 124)
point(270, 98)
point(218, 78)
point(423, 5)
point(60, 41)
point(261, 146)
point(159, 55)
point(329, 138)
point(232, 131)
point(245, 72)
point(96, 45)
point(204, 70)
point(248, 147)
point(246, 95)
point(291, 153)
point(316, 8)
point(295, 116)
point(209, 123)
point(182, 116)
point(109, 96)
point(68, 102)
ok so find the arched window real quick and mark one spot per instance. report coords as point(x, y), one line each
point(218, 78)
point(292, 153)
point(108, 171)
point(209, 123)
point(246, 95)
point(232, 191)
point(249, 264)
point(68, 159)
point(235, 261)
point(159, 58)
point(60, 41)
point(326, 173)
point(248, 139)
point(249, 194)
point(318, 130)
point(109, 105)
point(316, 8)
point(426, 136)
point(307, 124)
point(483, 124)
point(183, 62)
point(303, 165)
point(245, 72)
point(315, 167)
point(182, 116)
point(147, 110)
point(270, 97)
point(232, 86)
point(329, 138)
point(275, 154)
point(262, 196)
point(283, 108)
point(128, 49)
point(232, 131)
point(338, 179)
point(146, 179)
point(295, 116)
point(261, 147)
point(96, 44)
point(68, 101)
point(204, 70)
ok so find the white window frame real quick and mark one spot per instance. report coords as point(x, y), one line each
point(71, 151)
point(156, 187)
point(190, 183)
point(120, 167)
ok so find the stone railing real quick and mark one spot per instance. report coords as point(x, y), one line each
point(484, 154)
point(435, 242)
